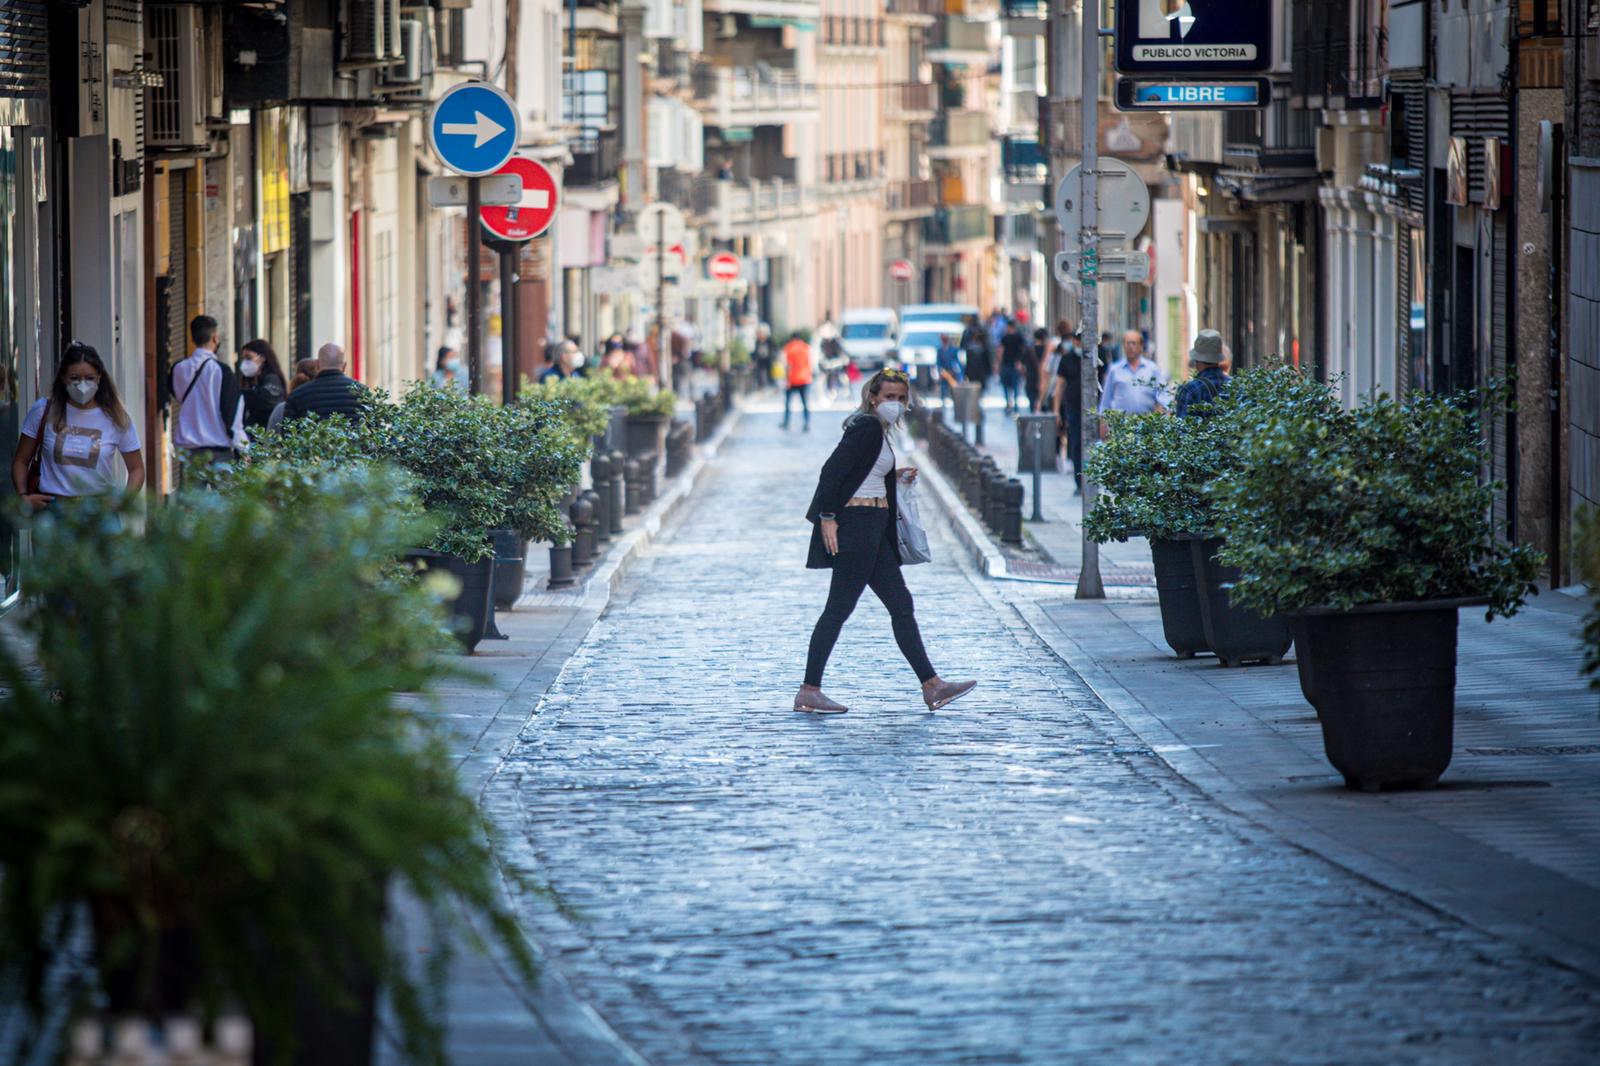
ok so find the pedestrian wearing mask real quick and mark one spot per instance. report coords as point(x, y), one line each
point(76, 433)
point(447, 370)
point(854, 534)
point(209, 422)
point(261, 383)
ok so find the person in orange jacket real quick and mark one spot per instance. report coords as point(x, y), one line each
point(801, 368)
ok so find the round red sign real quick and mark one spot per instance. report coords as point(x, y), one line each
point(540, 199)
point(900, 270)
point(724, 266)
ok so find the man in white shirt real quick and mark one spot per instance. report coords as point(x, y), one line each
point(201, 385)
point(1133, 384)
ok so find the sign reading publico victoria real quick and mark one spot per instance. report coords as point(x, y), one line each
point(1193, 37)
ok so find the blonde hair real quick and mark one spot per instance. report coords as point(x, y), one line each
point(874, 385)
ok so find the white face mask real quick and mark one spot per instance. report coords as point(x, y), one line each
point(249, 368)
point(82, 391)
point(891, 410)
point(577, 360)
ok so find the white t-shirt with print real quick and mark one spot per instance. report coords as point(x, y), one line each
point(81, 459)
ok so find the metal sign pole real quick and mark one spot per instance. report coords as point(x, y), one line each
point(663, 345)
point(1089, 583)
point(510, 365)
point(1037, 429)
point(474, 288)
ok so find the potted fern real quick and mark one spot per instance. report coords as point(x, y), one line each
point(212, 777)
point(1373, 527)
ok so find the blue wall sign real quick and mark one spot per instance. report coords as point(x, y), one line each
point(1193, 38)
point(1137, 94)
point(474, 128)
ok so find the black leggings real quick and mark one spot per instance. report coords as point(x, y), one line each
point(866, 559)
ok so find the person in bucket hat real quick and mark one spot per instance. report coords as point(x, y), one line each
point(1205, 360)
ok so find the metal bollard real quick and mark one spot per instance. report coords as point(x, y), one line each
point(651, 475)
point(633, 476)
point(600, 474)
point(582, 514)
point(1011, 524)
point(618, 506)
point(593, 499)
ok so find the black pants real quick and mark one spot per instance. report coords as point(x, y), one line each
point(866, 559)
point(805, 404)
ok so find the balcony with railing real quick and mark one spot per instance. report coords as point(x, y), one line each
point(1026, 168)
point(745, 96)
point(796, 10)
point(919, 11)
point(911, 100)
point(851, 32)
point(844, 171)
point(955, 40)
point(1024, 18)
point(958, 134)
point(1275, 138)
point(962, 224)
point(596, 158)
point(745, 202)
point(906, 199)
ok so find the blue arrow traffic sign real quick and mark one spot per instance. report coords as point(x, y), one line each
point(474, 129)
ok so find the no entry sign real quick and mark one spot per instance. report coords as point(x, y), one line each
point(533, 214)
point(900, 270)
point(724, 267)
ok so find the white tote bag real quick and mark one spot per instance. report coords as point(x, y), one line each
point(908, 525)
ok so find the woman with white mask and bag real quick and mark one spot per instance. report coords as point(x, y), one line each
point(854, 517)
point(71, 438)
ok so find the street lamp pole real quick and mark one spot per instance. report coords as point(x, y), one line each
point(1090, 586)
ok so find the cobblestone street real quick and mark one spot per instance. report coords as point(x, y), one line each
point(1016, 879)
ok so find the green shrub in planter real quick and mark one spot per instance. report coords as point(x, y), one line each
point(1586, 559)
point(643, 398)
point(1151, 471)
point(540, 459)
point(1382, 504)
point(738, 353)
point(583, 401)
point(1155, 471)
point(213, 768)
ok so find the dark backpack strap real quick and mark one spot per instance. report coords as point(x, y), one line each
point(201, 369)
point(228, 397)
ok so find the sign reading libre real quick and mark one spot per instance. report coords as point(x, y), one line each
point(1191, 38)
point(1137, 95)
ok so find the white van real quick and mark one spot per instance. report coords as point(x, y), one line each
point(912, 314)
point(919, 343)
point(867, 336)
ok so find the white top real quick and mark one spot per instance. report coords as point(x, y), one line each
point(81, 459)
point(875, 487)
point(198, 423)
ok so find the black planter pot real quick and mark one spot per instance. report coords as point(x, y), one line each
point(646, 434)
point(1236, 634)
point(1176, 588)
point(473, 608)
point(510, 567)
point(1302, 658)
point(1384, 685)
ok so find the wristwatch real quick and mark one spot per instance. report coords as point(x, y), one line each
point(827, 516)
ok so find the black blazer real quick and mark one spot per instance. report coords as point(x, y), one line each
point(841, 475)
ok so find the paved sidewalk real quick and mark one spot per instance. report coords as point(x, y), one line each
point(1510, 841)
point(1018, 879)
point(1059, 536)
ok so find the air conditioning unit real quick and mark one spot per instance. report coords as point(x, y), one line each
point(410, 77)
point(176, 49)
point(371, 32)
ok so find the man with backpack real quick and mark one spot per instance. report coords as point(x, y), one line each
point(208, 423)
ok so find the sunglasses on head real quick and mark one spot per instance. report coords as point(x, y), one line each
point(896, 375)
